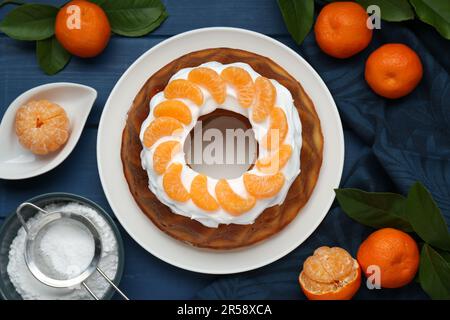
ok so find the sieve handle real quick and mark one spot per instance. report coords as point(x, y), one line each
point(112, 283)
point(19, 215)
point(90, 291)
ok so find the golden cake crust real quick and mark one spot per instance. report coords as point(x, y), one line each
point(273, 219)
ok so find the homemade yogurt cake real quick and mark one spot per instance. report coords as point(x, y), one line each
point(222, 213)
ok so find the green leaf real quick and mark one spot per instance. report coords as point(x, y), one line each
point(445, 255)
point(435, 13)
point(434, 273)
point(391, 10)
point(158, 22)
point(298, 16)
point(426, 218)
point(374, 209)
point(134, 18)
point(51, 56)
point(30, 22)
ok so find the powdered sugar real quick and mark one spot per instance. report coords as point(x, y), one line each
point(67, 249)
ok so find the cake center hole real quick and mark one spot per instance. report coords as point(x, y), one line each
point(222, 145)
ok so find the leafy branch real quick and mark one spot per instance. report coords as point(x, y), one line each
point(298, 14)
point(418, 213)
point(36, 22)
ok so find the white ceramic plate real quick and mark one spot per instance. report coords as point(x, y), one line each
point(141, 228)
point(16, 162)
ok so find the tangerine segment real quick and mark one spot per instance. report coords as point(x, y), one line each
point(232, 202)
point(277, 130)
point(242, 81)
point(263, 186)
point(173, 108)
point(264, 99)
point(160, 127)
point(172, 183)
point(186, 89)
point(211, 80)
point(328, 265)
point(274, 162)
point(42, 126)
point(163, 154)
point(200, 195)
point(343, 290)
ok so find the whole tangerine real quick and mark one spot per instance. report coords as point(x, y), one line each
point(330, 274)
point(82, 28)
point(341, 29)
point(394, 252)
point(393, 70)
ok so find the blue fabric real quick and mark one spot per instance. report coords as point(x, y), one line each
point(389, 144)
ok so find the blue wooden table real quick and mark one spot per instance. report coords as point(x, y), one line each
point(146, 277)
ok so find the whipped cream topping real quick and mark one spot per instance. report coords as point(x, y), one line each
point(291, 170)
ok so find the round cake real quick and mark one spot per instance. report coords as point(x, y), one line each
point(222, 213)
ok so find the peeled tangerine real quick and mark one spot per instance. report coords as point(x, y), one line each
point(330, 274)
point(42, 126)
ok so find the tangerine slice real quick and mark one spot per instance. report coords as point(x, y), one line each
point(274, 162)
point(211, 80)
point(200, 195)
point(264, 99)
point(263, 186)
point(277, 130)
point(186, 89)
point(42, 126)
point(160, 127)
point(172, 183)
point(242, 81)
point(173, 108)
point(232, 202)
point(330, 274)
point(163, 154)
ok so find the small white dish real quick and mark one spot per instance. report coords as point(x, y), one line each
point(16, 162)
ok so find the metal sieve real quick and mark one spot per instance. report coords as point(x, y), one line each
point(37, 265)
